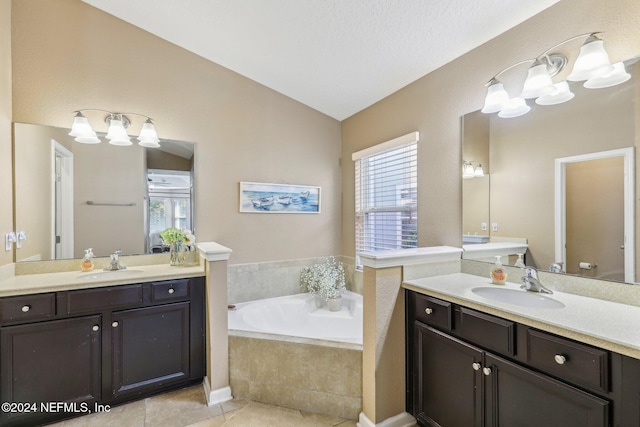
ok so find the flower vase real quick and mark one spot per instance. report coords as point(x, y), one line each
point(174, 253)
point(319, 301)
point(334, 304)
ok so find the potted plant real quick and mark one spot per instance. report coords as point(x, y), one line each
point(178, 241)
point(326, 281)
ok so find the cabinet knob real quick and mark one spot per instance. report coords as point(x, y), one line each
point(428, 310)
point(171, 290)
point(476, 366)
point(560, 359)
point(95, 328)
point(114, 324)
point(26, 308)
point(486, 371)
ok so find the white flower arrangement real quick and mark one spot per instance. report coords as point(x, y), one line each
point(326, 280)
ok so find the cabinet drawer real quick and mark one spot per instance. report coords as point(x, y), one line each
point(432, 311)
point(170, 290)
point(575, 362)
point(103, 298)
point(27, 307)
point(488, 331)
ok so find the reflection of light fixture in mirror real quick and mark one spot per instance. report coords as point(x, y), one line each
point(515, 107)
point(615, 77)
point(592, 65)
point(117, 134)
point(560, 94)
point(468, 171)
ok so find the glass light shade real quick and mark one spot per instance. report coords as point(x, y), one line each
point(538, 81)
point(81, 127)
point(467, 170)
point(593, 61)
point(496, 98)
point(148, 133)
point(561, 94)
point(479, 172)
point(117, 134)
point(88, 139)
point(515, 108)
point(615, 77)
point(149, 143)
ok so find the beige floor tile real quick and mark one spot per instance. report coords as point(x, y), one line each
point(322, 420)
point(179, 408)
point(261, 415)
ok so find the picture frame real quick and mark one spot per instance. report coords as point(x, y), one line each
point(260, 197)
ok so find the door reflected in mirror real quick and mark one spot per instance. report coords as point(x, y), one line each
point(72, 196)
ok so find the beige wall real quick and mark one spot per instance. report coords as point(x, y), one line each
point(433, 105)
point(6, 180)
point(68, 55)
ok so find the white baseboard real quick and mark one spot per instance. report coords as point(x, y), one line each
point(401, 420)
point(216, 396)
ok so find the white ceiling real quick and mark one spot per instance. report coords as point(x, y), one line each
point(336, 56)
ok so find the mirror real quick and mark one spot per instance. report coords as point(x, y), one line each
point(71, 196)
point(546, 176)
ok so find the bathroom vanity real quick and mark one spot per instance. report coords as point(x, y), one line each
point(82, 347)
point(476, 361)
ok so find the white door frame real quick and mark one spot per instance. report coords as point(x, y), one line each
point(66, 204)
point(629, 209)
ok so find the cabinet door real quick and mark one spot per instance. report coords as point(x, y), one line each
point(448, 380)
point(53, 361)
point(516, 396)
point(150, 348)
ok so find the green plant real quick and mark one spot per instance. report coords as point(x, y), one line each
point(326, 279)
point(173, 235)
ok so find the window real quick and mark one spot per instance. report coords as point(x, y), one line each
point(386, 195)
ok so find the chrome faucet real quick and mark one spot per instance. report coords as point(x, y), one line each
point(556, 267)
point(532, 283)
point(115, 262)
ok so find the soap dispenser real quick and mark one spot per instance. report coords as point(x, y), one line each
point(519, 262)
point(498, 274)
point(87, 261)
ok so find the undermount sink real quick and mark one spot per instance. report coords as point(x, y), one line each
point(104, 275)
point(516, 297)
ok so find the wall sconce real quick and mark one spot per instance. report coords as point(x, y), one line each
point(117, 134)
point(468, 171)
point(591, 65)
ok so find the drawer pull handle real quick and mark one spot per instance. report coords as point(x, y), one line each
point(96, 328)
point(486, 371)
point(428, 310)
point(26, 308)
point(476, 366)
point(171, 290)
point(560, 359)
point(114, 324)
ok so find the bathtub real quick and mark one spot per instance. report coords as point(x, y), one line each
point(285, 351)
point(298, 316)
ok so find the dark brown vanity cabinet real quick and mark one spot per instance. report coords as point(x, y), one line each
point(99, 346)
point(468, 368)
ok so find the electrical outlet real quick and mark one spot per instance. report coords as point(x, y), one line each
point(483, 226)
point(9, 238)
point(494, 226)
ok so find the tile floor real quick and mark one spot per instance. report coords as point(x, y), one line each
point(187, 407)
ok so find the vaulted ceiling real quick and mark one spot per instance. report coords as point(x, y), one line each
point(336, 56)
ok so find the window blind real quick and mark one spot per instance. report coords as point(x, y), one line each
point(387, 197)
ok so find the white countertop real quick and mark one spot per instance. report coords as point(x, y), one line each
point(52, 282)
point(605, 324)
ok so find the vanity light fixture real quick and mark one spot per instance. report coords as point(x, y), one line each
point(82, 131)
point(468, 171)
point(592, 65)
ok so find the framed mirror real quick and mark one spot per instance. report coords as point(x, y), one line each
point(71, 196)
point(560, 180)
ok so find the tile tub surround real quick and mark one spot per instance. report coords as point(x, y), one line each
point(250, 282)
point(311, 375)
